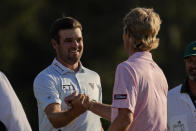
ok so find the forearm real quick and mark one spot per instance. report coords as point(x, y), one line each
point(60, 119)
point(123, 121)
point(103, 110)
point(119, 125)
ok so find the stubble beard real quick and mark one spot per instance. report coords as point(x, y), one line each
point(72, 59)
point(191, 75)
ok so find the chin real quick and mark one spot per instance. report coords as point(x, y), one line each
point(193, 78)
point(75, 60)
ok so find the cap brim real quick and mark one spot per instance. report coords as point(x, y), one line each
point(189, 55)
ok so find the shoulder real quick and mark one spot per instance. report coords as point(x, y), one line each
point(175, 90)
point(125, 68)
point(3, 79)
point(4, 84)
point(174, 93)
point(124, 65)
point(45, 76)
point(2, 75)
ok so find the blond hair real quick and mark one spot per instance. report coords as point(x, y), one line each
point(142, 25)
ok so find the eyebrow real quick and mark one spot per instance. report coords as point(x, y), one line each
point(68, 38)
point(71, 38)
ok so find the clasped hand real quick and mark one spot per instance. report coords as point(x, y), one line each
point(79, 103)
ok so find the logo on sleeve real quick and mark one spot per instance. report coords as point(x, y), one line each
point(120, 96)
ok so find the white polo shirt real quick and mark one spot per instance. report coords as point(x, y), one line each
point(56, 82)
point(12, 114)
point(181, 112)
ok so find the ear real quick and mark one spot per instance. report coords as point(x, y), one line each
point(54, 43)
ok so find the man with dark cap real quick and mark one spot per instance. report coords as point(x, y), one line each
point(182, 99)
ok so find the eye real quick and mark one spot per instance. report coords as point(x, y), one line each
point(68, 40)
point(189, 60)
point(79, 40)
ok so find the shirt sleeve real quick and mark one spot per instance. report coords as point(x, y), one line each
point(45, 91)
point(100, 90)
point(124, 91)
point(11, 111)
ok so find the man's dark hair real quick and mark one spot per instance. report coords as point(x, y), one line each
point(61, 24)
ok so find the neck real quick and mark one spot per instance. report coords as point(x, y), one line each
point(74, 67)
point(192, 86)
point(131, 52)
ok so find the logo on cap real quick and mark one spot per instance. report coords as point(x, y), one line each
point(194, 48)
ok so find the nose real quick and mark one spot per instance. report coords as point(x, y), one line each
point(75, 43)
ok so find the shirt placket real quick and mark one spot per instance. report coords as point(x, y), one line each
point(82, 89)
point(191, 106)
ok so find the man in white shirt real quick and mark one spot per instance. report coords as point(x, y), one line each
point(12, 115)
point(181, 114)
point(62, 78)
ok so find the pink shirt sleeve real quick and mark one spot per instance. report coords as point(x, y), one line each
point(124, 91)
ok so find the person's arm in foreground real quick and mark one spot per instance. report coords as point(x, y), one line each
point(12, 114)
point(60, 118)
point(123, 120)
point(103, 110)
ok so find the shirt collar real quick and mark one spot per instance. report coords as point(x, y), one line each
point(143, 54)
point(185, 89)
point(63, 69)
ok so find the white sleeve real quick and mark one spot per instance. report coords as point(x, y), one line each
point(11, 110)
point(100, 90)
point(45, 91)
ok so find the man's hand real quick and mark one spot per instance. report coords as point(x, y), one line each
point(80, 102)
point(83, 102)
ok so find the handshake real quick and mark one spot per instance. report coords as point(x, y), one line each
point(79, 103)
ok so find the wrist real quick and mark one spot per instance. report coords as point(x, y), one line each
point(91, 104)
point(75, 113)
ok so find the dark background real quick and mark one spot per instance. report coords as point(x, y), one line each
point(25, 48)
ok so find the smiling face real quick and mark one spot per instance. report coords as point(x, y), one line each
point(70, 47)
point(190, 65)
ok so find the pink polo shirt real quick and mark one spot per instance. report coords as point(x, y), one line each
point(141, 86)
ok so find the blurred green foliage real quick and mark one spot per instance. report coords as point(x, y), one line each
point(25, 48)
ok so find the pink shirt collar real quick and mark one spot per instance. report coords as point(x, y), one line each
point(144, 54)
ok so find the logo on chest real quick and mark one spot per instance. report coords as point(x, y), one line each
point(92, 85)
point(68, 87)
point(179, 126)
